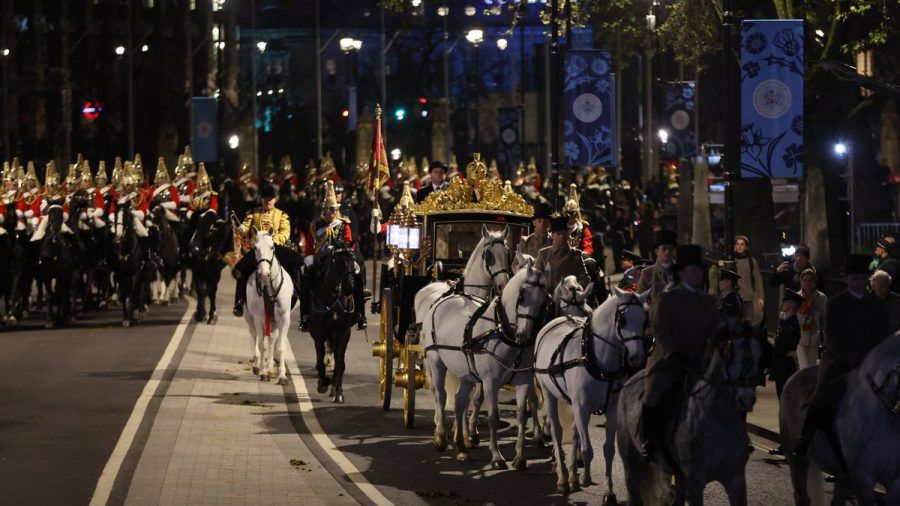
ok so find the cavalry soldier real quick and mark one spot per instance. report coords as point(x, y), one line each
point(329, 227)
point(290, 183)
point(560, 258)
point(857, 322)
point(660, 276)
point(107, 191)
point(30, 205)
point(70, 184)
point(133, 197)
point(52, 196)
point(95, 204)
point(164, 192)
point(10, 198)
point(580, 236)
point(184, 179)
point(266, 218)
point(203, 197)
point(532, 244)
point(249, 184)
point(686, 321)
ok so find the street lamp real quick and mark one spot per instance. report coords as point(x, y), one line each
point(845, 149)
point(349, 45)
point(470, 10)
point(502, 44)
point(145, 48)
point(234, 141)
point(5, 51)
point(120, 50)
point(840, 148)
point(475, 36)
point(663, 135)
point(443, 10)
point(261, 46)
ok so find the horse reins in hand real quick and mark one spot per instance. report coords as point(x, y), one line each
point(338, 304)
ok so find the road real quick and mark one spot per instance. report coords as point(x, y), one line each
point(67, 395)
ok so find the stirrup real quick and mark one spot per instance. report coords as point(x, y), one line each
point(238, 310)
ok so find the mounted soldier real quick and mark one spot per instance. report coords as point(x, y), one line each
point(184, 180)
point(52, 196)
point(266, 218)
point(101, 182)
point(165, 194)
point(685, 322)
point(11, 198)
point(580, 236)
point(203, 197)
point(331, 226)
point(857, 322)
point(31, 199)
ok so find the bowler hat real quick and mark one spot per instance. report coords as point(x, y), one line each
point(268, 192)
point(559, 224)
point(542, 210)
point(437, 165)
point(665, 237)
point(687, 255)
point(728, 274)
point(792, 295)
point(857, 264)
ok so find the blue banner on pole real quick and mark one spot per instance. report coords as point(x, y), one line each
point(204, 140)
point(589, 109)
point(509, 150)
point(679, 121)
point(772, 98)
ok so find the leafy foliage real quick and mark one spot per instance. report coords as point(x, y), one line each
point(692, 30)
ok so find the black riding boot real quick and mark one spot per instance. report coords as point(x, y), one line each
point(240, 291)
point(305, 282)
point(816, 419)
point(359, 301)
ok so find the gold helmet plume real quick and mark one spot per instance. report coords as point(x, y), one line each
point(202, 176)
point(8, 172)
point(118, 171)
point(330, 197)
point(162, 173)
point(180, 169)
point(101, 171)
point(287, 168)
point(86, 173)
point(51, 178)
point(31, 175)
point(187, 159)
point(21, 178)
point(573, 206)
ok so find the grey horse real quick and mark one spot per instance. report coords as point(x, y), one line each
point(709, 441)
point(867, 427)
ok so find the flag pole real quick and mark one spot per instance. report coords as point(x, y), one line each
point(376, 184)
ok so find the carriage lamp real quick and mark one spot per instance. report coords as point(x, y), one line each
point(403, 233)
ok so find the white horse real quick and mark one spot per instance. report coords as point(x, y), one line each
point(709, 439)
point(867, 429)
point(486, 341)
point(268, 309)
point(570, 298)
point(583, 363)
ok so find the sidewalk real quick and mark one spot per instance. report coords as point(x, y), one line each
point(763, 420)
point(220, 436)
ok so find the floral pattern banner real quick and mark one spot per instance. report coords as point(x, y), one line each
point(588, 101)
point(679, 120)
point(772, 98)
point(509, 149)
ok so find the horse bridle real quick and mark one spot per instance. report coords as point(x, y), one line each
point(746, 378)
point(271, 262)
point(487, 257)
point(509, 328)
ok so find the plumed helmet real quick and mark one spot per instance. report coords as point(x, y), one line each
point(162, 173)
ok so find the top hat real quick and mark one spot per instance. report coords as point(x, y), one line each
point(437, 164)
point(665, 237)
point(857, 264)
point(728, 274)
point(559, 224)
point(687, 255)
point(268, 192)
point(542, 210)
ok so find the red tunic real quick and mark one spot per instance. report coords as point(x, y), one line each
point(309, 247)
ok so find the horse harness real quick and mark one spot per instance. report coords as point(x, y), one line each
point(487, 257)
point(503, 329)
point(338, 303)
point(587, 359)
point(260, 290)
point(892, 405)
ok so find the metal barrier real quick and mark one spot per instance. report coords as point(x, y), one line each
point(868, 233)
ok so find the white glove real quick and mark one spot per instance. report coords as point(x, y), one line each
point(83, 215)
point(29, 213)
point(376, 213)
point(137, 213)
point(308, 260)
point(170, 205)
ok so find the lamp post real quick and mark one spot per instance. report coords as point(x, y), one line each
point(731, 141)
point(554, 100)
point(649, 152)
point(444, 11)
point(475, 37)
point(350, 47)
point(845, 149)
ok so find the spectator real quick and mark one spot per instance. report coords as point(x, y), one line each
point(884, 251)
point(811, 315)
point(881, 283)
point(750, 285)
point(788, 273)
point(784, 362)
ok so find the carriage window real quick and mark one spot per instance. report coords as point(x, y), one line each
point(458, 240)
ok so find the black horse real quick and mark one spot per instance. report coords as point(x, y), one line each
point(128, 258)
point(11, 262)
point(206, 262)
point(54, 269)
point(167, 251)
point(333, 313)
point(84, 265)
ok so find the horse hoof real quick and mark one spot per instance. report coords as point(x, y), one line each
point(519, 464)
point(126, 323)
point(562, 488)
point(49, 325)
point(263, 376)
point(471, 442)
point(338, 399)
point(579, 462)
point(499, 464)
point(574, 486)
point(255, 370)
point(281, 381)
point(611, 500)
point(440, 444)
point(462, 456)
point(213, 318)
point(198, 316)
point(323, 385)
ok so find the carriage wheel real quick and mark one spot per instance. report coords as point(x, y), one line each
point(409, 393)
point(387, 341)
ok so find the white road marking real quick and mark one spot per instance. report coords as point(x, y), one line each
point(321, 437)
point(114, 464)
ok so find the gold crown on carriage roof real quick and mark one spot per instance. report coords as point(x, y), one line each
point(476, 193)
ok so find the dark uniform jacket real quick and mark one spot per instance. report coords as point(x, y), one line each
point(686, 322)
point(731, 311)
point(784, 361)
point(853, 328)
point(893, 308)
point(657, 279)
point(561, 262)
point(534, 243)
point(892, 267)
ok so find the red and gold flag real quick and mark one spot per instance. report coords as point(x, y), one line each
point(379, 171)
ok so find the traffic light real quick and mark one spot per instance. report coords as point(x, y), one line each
point(423, 100)
point(399, 114)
